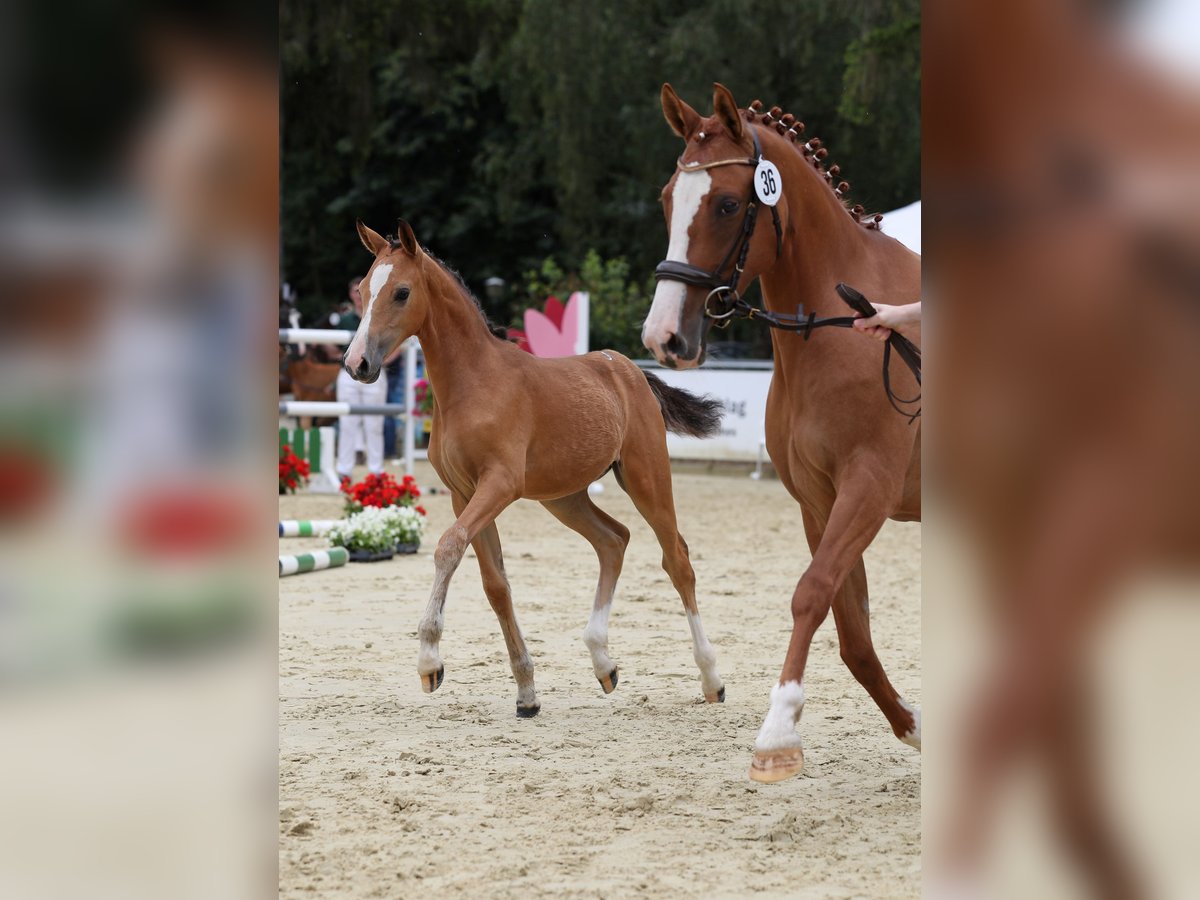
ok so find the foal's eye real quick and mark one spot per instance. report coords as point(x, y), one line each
point(728, 207)
point(401, 294)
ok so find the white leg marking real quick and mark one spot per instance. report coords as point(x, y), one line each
point(595, 636)
point(690, 189)
point(913, 738)
point(705, 656)
point(379, 277)
point(778, 730)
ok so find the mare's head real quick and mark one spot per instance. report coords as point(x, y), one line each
point(705, 211)
point(395, 300)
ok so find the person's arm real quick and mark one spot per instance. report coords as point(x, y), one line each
point(880, 325)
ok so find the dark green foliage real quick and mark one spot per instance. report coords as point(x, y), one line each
point(509, 132)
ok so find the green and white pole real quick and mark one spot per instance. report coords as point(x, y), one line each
point(305, 527)
point(310, 562)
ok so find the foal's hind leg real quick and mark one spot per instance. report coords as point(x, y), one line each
point(645, 474)
point(609, 539)
point(495, 585)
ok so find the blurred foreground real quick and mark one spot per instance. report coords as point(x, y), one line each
point(1062, 252)
point(138, 260)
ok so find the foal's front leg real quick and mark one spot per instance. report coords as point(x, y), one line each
point(474, 515)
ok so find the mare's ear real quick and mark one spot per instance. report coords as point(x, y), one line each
point(372, 240)
point(408, 240)
point(682, 118)
point(726, 111)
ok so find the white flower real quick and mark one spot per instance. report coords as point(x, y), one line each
point(378, 529)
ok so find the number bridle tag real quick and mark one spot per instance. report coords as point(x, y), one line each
point(767, 183)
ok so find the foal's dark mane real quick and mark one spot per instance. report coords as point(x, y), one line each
point(499, 332)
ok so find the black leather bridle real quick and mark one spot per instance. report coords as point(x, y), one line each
point(722, 289)
point(724, 303)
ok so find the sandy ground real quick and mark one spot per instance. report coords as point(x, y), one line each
point(389, 792)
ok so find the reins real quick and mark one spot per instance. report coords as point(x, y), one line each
point(730, 305)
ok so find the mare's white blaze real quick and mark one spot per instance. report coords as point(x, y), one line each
point(379, 278)
point(913, 738)
point(779, 728)
point(690, 189)
point(595, 636)
point(705, 656)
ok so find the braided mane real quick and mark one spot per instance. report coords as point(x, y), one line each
point(792, 128)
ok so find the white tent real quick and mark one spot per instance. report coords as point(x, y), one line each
point(904, 225)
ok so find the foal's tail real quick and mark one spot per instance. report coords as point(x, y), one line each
point(683, 412)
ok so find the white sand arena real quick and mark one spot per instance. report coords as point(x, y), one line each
point(389, 792)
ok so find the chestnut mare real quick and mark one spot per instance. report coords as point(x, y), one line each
point(508, 425)
point(839, 447)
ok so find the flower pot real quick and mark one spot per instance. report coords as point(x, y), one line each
point(408, 548)
point(371, 555)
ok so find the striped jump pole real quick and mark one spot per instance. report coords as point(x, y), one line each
point(305, 527)
point(310, 562)
point(335, 409)
point(315, 336)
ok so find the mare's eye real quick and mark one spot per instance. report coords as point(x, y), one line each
point(401, 294)
point(728, 207)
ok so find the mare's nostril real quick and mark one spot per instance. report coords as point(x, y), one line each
point(362, 369)
point(674, 345)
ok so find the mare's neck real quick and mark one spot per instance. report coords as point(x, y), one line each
point(822, 244)
point(454, 337)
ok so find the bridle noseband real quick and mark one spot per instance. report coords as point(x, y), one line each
point(724, 290)
point(730, 305)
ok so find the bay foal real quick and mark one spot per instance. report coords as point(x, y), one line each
point(508, 425)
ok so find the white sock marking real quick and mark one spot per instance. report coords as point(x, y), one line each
point(690, 189)
point(913, 738)
point(705, 656)
point(595, 636)
point(779, 728)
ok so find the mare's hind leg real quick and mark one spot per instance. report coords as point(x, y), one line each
point(851, 614)
point(608, 538)
point(645, 473)
point(495, 585)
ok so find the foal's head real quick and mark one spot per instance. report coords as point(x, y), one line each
point(705, 211)
point(395, 300)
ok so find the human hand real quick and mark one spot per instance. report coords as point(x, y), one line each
point(880, 325)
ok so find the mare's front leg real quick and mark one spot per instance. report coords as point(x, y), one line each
point(858, 513)
point(473, 515)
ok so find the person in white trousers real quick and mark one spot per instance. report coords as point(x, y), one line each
point(359, 431)
point(370, 427)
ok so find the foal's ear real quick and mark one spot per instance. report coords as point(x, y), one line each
point(372, 240)
point(682, 118)
point(408, 240)
point(726, 111)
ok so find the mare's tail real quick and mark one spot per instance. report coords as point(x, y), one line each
point(683, 412)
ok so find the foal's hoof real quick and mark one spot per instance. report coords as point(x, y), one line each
point(775, 765)
point(718, 697)
point(528, 712)
point(609, 681)
point(431, 681)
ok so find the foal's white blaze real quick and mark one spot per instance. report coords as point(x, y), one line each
point(913, 738)
point(705, 656)
point(358, 346)
point(778, 730)
point(689, 191)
